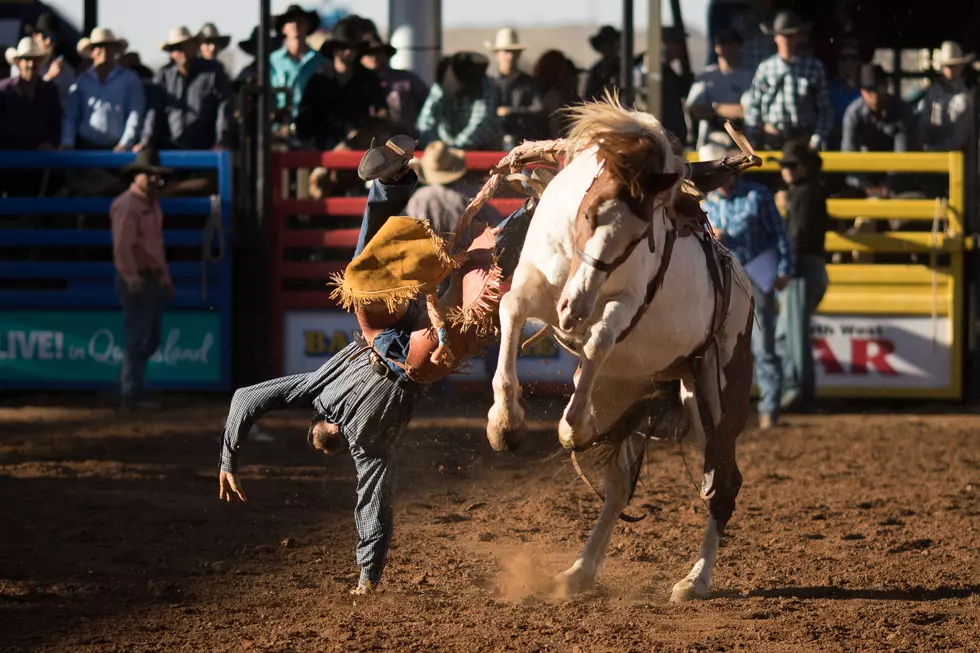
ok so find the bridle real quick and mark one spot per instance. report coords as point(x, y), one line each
point(608, 268)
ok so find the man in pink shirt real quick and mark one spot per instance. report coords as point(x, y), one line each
point(143, 281)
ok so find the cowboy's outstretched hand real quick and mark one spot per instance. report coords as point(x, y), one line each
point(229, 487)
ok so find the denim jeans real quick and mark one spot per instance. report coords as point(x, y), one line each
point(798, 302)
point(142, 320)
point(768, 370)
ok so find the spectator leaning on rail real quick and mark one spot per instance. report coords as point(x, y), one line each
point(405, 92)
point(788, 98)
point(605, 72)
point(875, 122)
point(142, 278)
point(213, 42)
point(945, 112)
point(52, 67)
point(521, 111)
point(461, 110)
point(342, 94)
point(807, 223)
point(196, 109)
point(744, 219)
point(294, 63)
point(716, 95)
point(106, 105)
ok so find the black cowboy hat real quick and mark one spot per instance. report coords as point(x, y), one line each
point(210, 34)
point(377, 45)
point(605, 33)
point(788, 22)
point(347, 33)
point(251, 45)
point(47, 22)
point(872, 77)
point(295, 12)
point(673, 34)
point(798, 153)
point(147, 161)
point(461, 71)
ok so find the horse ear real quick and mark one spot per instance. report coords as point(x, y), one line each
point(661, 182)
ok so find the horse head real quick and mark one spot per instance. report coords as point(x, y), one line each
point(641, 169)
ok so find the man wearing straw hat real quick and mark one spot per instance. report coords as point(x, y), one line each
point(30, 116)
point(945, 110)
point(197, 109)
point(521, 109)
point(106, 105)
point(366, 394)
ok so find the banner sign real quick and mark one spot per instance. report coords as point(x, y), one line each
point(873, 352)
point(312, 337)
point(881, 351)
point(87, 346)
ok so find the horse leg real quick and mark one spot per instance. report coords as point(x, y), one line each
point(618, 483)
point(721, 478)
point(505, 421)
point(577, 428)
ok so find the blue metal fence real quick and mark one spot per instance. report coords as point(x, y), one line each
point(60, 323)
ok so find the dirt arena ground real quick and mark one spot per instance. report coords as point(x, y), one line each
point(854, 532)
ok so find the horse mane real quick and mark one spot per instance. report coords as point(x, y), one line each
point(633, 146)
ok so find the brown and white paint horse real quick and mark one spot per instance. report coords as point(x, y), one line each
point(641, 299)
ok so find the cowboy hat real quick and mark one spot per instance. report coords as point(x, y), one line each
point(951, 54)
point(605, 33)
point(374, 46)
point(177, 37)
point(506, 40)
point(100, 36)
point(27, 48)
point(787, 23)
point(210, 34)
point(45, 23)
point(347, 33)
point(147, 161)
point(872, 77)
point(461, 71)
point(251, 44)
point(441, 164)
point(294, 13)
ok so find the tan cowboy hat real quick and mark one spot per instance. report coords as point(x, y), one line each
point(441, 164)
point(100, 36)
point(210, 34)
point(951, 54)
point(27, 48)
point(506, 39)
point(177, 37)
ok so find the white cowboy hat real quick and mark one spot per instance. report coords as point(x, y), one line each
point(441, 164)
point(27, 48)
point(950, 54)
point(100, 36)
point(177, 37)
point(506, 39)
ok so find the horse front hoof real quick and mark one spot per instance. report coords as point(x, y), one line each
point(506, 431)
point(575, 580)
point(686, 590)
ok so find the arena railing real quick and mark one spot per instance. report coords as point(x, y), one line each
point(890, 329)
point(60, 321)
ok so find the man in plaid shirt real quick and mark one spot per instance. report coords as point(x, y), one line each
point(788, 98)
point(461, 110)
point(744, 219)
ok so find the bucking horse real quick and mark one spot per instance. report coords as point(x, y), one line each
point(621, 266)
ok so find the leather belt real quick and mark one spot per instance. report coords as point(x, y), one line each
point(382, 369)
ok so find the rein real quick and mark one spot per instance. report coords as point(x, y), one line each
point(609, 268)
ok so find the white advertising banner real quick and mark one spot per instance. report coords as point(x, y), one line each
point(881, 351)
point(310, 338)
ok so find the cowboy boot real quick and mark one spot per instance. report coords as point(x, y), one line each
point(388, 162)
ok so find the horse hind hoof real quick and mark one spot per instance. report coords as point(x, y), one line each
point(686, 590)
point(508, 440)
